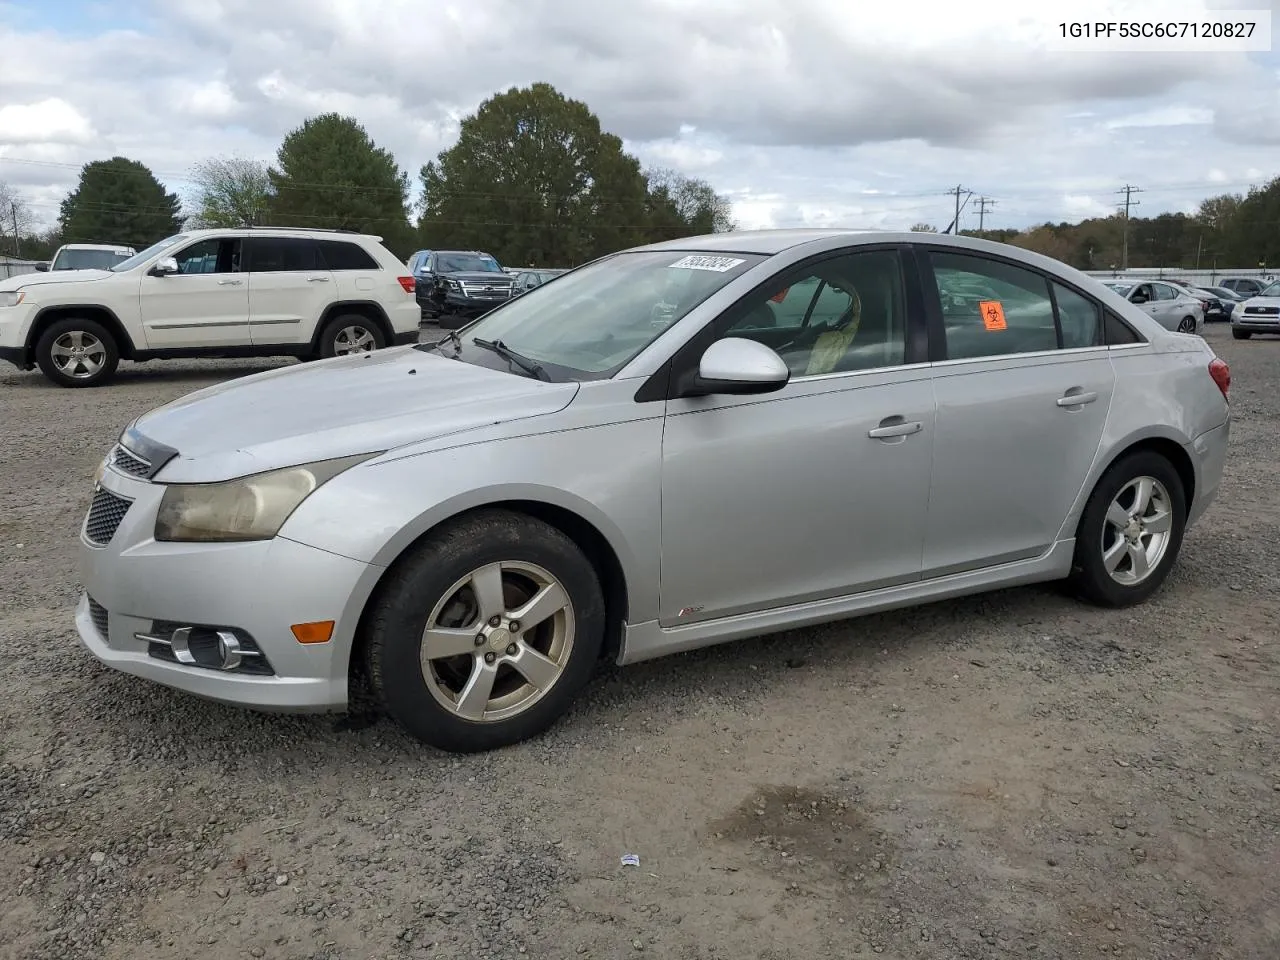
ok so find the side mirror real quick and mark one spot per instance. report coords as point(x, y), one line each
point(42, 266)
point(738, 366)
point(163, 267)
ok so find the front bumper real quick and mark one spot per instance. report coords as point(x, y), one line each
point(458, 305)
point(15, 322)
point(258, 590)
point(1256, 323)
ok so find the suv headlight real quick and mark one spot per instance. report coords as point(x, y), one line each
point(250, 508)
point(11, 298)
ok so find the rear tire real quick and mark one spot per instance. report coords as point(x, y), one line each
point(1130, 532)
point(460, 594)
point(1187, 325)
point(1242, 334)
point(350, 334)
point(77, 353)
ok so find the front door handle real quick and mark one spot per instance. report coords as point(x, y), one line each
point(232, 283)
point(1076, 399)
point(900, 428)
point(317, 279)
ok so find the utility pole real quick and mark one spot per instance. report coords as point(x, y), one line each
point(13, 212)
point(983, 203)
point(956, 191)
point(1128, 190)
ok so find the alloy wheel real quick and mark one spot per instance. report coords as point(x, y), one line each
point(1136, 534)
point(78, 354)
point(353, 339)
point(498, 641)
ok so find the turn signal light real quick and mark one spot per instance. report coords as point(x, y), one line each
point(318, 632)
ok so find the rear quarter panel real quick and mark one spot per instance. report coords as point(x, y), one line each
point(1162, 391)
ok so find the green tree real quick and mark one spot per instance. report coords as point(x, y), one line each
point(923, 228)
point(533, 179)
point(682, 206)
point(230, 192)
point(119, 201)
point(330, 174)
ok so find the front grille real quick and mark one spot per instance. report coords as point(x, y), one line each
point(105, 515)
point(127, 462)
point(486, 290)
point(1263, 311)
point(98, 613)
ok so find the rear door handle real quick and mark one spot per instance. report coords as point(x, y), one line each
point(232, 283)
point(317, 279)
point(900, 429)
point(1076, 399)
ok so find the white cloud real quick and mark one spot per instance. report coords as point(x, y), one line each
point(52, 120)
point(809, 111)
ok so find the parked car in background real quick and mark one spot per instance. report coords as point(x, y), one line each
point(1170, 305)
point(1211, 302)
point(1228, 298)
point(1260, 314)
point(526, 280)
point(1246, 286)
point(86, 256)
point(456, 286)
point(252, 292)
point(474, 524)
point(417, 263)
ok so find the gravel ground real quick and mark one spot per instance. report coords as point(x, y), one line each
point(1012, 775)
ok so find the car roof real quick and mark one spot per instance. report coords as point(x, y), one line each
point(96, 246)
point(310, 233)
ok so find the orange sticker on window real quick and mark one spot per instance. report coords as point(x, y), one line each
point(779, 296)
point(992, 314)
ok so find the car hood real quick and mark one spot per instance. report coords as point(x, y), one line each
point(336, 408)
point(1261, 302)
point(479, 276)
point(53, 276)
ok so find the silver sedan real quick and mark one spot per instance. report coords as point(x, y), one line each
point(673, 446)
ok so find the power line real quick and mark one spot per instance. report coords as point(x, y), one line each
point(1128, 190)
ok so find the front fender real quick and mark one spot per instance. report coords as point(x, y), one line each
point(608, 475)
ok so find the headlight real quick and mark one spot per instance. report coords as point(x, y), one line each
point(11, 298)
point(250, 508)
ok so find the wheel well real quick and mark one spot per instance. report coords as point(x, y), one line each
point(101, 315)
point(359, 308)
point(1172, 452)
point(587, 538)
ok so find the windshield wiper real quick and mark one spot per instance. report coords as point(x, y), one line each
point(531, 367)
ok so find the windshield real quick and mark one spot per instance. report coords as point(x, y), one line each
point(467, 263)
point(591, 322)
point(87, 259)
point(1121, 287)
point(140, 258)
point(1271, 291)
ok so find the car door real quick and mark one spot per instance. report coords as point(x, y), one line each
point(205, 304)
point(1023, 386)
point(1170, 308)
point(289, 289)
point(819, 489)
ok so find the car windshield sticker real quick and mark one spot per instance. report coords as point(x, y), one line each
point(714, 264)
point(992, 314)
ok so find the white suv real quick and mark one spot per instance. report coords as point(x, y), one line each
point(251, 292)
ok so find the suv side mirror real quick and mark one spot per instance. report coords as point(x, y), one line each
point(736, 365)
point(42, 266)
point(164, 266)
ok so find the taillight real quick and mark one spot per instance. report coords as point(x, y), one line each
point(407, 283)
point(1221, 374)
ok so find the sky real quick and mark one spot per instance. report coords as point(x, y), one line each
point(846, 113)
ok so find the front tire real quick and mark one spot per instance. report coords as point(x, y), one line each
point(1130, 532)
point(350, 334)
point(1242, 334)
point(77, 353)
point(485, 633)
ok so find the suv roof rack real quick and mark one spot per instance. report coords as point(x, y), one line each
point(267, 226)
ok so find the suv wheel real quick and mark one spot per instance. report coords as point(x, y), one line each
point(352, 333)
point(484, 634)
point(1242, 334)
point(77, 353)
point(1130, 531)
